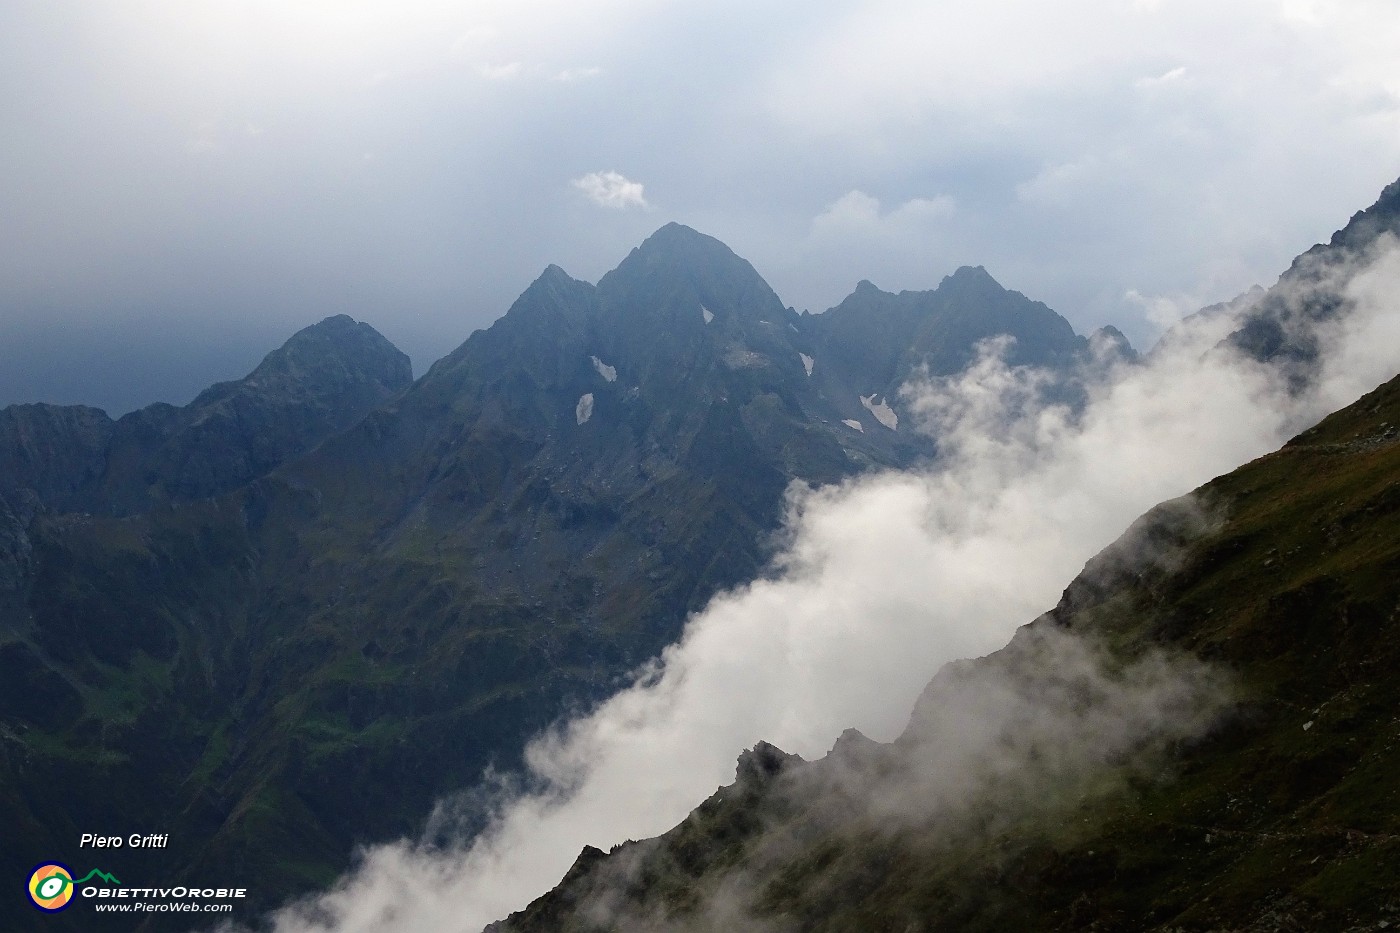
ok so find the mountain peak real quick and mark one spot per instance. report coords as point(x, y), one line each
point(1111, 343)
point(682, 270)
point(338, 348)
point(549, 288)
point(679, 235)
point(760, 764)
point(1365, 226)
point(970, 279)
point(553, 273)
point(677, 243)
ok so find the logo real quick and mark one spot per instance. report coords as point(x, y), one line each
point(51, 885)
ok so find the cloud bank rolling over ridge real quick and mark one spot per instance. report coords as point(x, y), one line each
point(878, 583)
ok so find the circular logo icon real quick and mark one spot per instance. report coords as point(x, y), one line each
point(51, 886)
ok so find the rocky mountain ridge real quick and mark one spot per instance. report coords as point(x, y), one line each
point(77, 459)
point(283, 621)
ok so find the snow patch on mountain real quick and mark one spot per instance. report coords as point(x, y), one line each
point(607, 372)
point(584, 409)
point(881, 410)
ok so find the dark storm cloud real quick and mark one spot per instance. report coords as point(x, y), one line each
point(243, 169)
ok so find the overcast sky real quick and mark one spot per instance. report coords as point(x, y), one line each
point(183, 185)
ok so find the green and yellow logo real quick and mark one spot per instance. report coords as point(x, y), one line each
point(51, 885)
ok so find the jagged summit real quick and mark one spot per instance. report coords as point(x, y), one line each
point(762, 763)
point(337, 363)
point(335, 351)
point(1364, 226)
point(323, 379)
point(1109, 343)
point(678, 247)
point(877, 338)
point(970, 275)
point(1282, 325)
point(553, 286)
point(553, 276)
point(678, 238)
point(975, 283)
point(687, 279)
point(543, 332)
point(963, 279)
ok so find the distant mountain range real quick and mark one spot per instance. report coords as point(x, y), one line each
point(284, 619)
point(76, 459)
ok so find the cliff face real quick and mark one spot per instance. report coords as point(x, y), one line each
point(52, 452)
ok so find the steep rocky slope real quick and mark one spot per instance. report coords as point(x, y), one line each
point(1281, 327)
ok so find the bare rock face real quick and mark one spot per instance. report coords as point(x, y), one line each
point(760, 764)
point(53, 451)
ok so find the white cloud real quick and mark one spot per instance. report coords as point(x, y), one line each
point(1063, 184)
point(569, 75)
point(856, 237)
point(1163, 311)
point(1118, 186)
point(1285, 121)
point(1167, 77)
point(500, 72)
point(858, 214)
point(612, 189)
